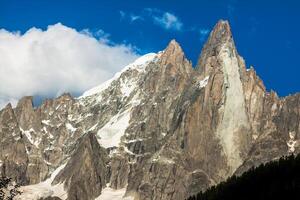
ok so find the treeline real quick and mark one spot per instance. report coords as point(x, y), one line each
point(274, 180)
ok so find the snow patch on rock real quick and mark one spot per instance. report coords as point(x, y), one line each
point(46, 122)
point(70, 127)
point(111, 194)
point(32, 140)
point(292, 142)
point(110, 134)
point(138, 64)
point(254, 136)
point(44, 189)
point(203, 83)
point(127, 87)
point(161, 159)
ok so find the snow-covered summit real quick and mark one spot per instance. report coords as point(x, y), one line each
point(139, 64)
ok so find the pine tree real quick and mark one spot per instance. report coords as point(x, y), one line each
point(274, 180)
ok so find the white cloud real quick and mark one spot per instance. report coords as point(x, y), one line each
point(122, 14)
point(168, 21)
point(59, 59)
point(130, 16)
point(164, 19)
point(99, 34)
point(135, 17)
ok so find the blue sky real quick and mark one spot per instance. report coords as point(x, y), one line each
point(266, 33)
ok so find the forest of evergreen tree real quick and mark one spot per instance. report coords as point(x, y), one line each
point(274, 180)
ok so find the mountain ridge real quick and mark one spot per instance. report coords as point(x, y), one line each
point(169, 130)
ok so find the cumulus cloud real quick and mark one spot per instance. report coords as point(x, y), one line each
point(59, 59)
point(168, 21)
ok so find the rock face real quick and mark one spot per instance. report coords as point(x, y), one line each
point(160, 128)
point(13, 157)
point(85, 173)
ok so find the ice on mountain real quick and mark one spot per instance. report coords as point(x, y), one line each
point(111, 194)
point(110, 135)
point(203, 83)
point(138, 64)
point(44, 189)
point(46, 122)
point(127, 87)
point(70, 127)
point(93, 127)
point(33, 141)
point(292, 142)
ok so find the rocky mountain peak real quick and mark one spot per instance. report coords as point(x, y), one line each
point(6, 115)
point(221, 62)
point(171, 70)
point(174, 55)
point(65, 97)
point(92, 167)
point(8, 107)
point(220, 37)
point(25, 102)
point(221, 32)
point(26, 115)
point(156, 130)
point(173, 43)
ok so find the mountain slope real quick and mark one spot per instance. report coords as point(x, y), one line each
point(169, 130)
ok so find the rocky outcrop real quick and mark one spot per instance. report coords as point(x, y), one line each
point(84, 174)
point(50, 198)
point(279, 131)
point(13, 157)
point(119, 168)
point(26, 115)
point(169, 131)
point(233, 128)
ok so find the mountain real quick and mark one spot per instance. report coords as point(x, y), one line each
point(159, 129)
point(260, 183)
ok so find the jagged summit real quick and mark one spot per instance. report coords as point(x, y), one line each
point(27, 100)
point(174, 59)
point(139, 65)
point(173, 53)
point(8, 106)
point(221, 31)
point(168, 130)
point(220, 35)
point(174, 44)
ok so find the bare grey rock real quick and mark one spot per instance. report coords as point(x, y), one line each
point(84, 174)
point(13, 155)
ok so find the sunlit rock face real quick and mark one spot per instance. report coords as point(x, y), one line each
point(159, 129)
